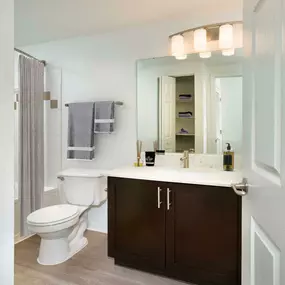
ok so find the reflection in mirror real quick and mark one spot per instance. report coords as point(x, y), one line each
point(194, 104)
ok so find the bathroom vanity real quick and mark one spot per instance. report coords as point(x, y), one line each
point(182, 223)
point(178, 223)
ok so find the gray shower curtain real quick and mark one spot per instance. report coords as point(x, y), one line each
point(31, 137)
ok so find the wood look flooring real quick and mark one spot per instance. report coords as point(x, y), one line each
point(91, 266)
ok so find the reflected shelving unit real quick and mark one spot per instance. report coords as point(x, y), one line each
point(185, 113)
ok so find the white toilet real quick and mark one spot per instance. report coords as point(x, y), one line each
point(62, 227)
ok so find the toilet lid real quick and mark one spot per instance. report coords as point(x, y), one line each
point(53, 215)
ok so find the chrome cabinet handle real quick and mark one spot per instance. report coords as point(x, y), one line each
point(241, 189)
point(158, 197)
point(168, 199)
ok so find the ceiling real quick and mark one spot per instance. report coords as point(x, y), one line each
point(39, 21)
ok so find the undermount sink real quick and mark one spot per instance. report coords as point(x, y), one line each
point(181, 169)
point(168, 169)
point(200, 169)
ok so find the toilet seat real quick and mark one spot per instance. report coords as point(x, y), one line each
point(53, 215)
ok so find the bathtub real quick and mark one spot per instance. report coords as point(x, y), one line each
point(48, 190)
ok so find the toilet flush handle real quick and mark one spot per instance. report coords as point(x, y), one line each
point(61, 178)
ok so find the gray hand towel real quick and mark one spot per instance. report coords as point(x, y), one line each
point(104, 117)
point(81, 131)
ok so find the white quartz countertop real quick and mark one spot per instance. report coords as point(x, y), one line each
point(198, 176)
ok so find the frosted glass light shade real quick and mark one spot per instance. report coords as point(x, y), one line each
point(226, 37)
point(177, 46)
point(207, 54)
point(228, 52)
point(200, 40)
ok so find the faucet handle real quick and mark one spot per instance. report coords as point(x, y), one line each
point(186, 153)
point(192, 150)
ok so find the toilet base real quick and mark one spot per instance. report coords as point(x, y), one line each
point(72, 251)
point(57, 247)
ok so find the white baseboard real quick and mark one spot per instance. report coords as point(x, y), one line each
point(97, 230)
point(18, 239)
point(23, 238)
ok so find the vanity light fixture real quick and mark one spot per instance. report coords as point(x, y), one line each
point(177, 47)
point(224, 37)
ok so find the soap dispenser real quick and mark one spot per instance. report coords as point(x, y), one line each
point(228, 157)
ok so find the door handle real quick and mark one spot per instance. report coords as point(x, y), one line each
point(158, 197)
point(168, 199)
point(241, 189)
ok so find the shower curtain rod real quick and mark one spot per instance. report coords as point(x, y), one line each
point(28, 55)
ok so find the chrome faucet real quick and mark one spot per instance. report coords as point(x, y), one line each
point(185, 159)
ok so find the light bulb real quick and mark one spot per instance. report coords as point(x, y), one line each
point(207, 54)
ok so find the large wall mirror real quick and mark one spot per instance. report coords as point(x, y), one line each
point(193, 104)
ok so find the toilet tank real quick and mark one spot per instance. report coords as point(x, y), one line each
point(82, 186)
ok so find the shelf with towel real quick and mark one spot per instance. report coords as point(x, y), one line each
point(104, 115)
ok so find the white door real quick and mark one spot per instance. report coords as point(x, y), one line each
point(263, 251)
point(167, 103)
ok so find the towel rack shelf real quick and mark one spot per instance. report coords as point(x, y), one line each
point(119, 103)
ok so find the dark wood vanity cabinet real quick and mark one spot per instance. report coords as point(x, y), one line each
point(188, 232)
point(136, 224)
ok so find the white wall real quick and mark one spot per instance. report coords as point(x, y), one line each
point(7, 141)
point(231, 92)
point(104, 67)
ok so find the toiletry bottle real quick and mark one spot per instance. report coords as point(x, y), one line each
point(228, 157)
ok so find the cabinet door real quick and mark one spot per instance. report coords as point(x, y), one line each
point(138, 224)
point(203, 234)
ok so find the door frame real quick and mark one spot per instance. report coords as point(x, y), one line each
point(212, 99)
